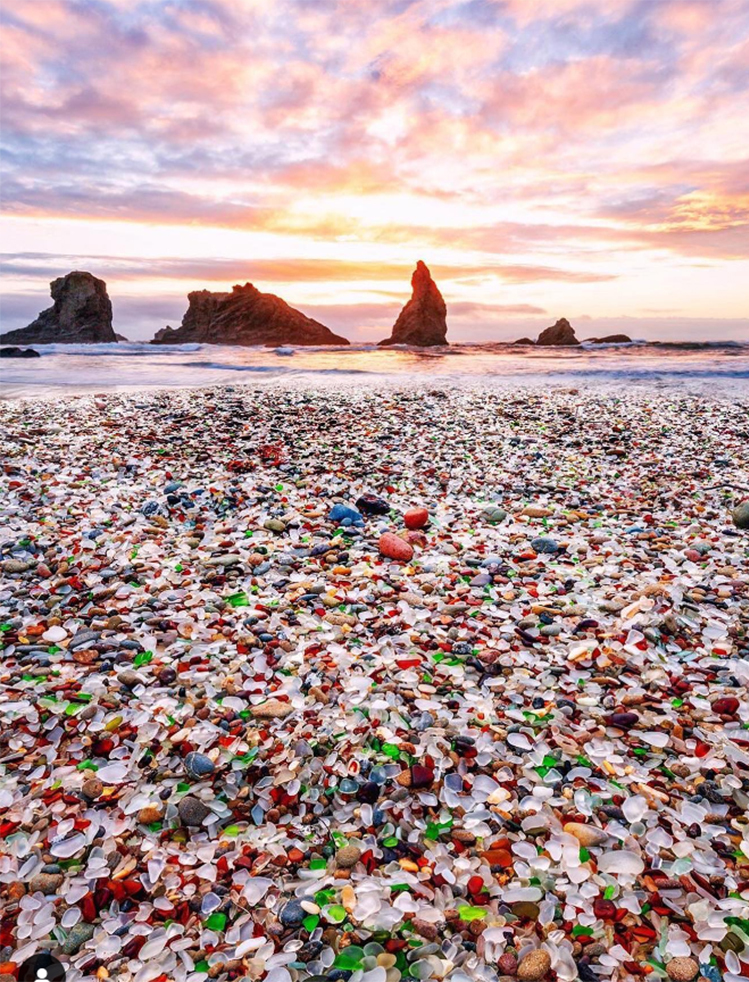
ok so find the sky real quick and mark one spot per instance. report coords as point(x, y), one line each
point(545, 158)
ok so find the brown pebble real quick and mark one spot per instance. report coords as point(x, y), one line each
point(425, 928)
point(272, 709)
point(92, 787)
point(150, 814)
point(682, 969)
point(348, 856)
point(534, 966)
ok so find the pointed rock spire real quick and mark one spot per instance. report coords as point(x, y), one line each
point(423, 321)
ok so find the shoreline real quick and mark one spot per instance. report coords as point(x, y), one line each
point(710, 371)
point(533, 721)
point(371, 384)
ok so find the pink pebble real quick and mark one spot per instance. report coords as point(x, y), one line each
point(416, 518)
point(393, 547)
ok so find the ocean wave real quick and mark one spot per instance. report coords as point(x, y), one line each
point(219, 366)
point(116, 349)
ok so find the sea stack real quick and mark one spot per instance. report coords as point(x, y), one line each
point(423, 321)
point(245, 317)
point(81, 314)
point(611, 339)
point(558, 334)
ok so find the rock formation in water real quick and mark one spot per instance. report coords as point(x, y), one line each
point(560, 333)
point(423, 321)
point(81, 314)
point(19, 353)
point(244, 317)
point(524, 341)
point(611, 339)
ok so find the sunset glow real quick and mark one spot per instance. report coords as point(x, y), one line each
point(546, 159)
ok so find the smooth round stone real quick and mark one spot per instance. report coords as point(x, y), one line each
point(726, 706)
point(682, 969)
point(586, 835)
point(198, 765)
point(293, 914)
point(543, 544)
point(192, 811)
point(494, 514)
point(740, 515)
point(55, 634)
point(272, 709)
point(92, 787)
point(274, 525)
point(508, 963)
point(416, 518)
point(348, 856)
point(551, 630)
point(534, 966)
point(393, 547)
point(45, 883)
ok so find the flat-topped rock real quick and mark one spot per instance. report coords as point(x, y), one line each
point(245, 316)
point(611, 339)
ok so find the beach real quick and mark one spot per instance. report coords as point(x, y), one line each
point(239, 737)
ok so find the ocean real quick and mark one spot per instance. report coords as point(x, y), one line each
point(715, 369)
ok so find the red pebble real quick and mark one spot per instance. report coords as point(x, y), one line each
point(421, 777)
point(727, 706)
point(416, 518)
point(393, 547)
point(604, 909)
point(475, 885)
